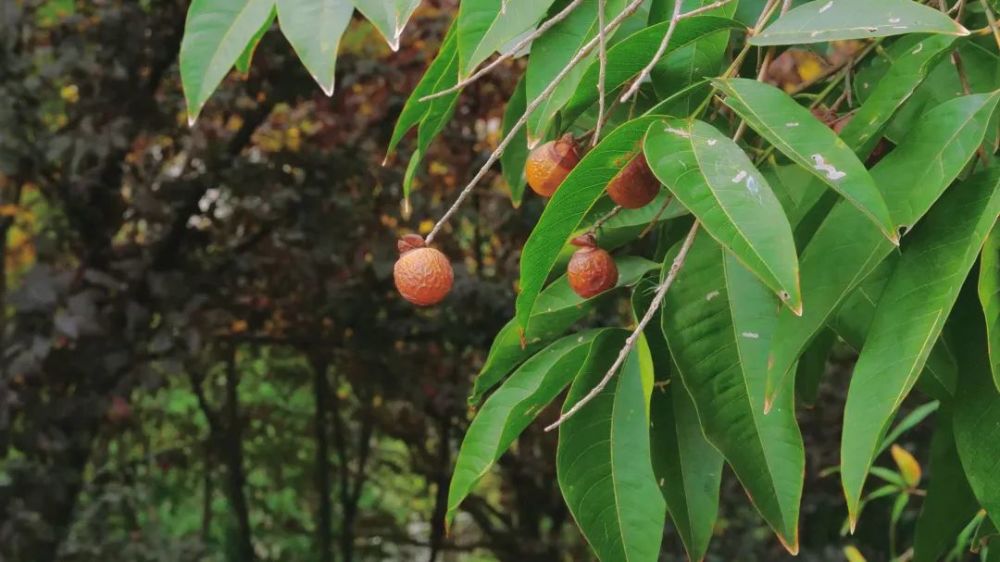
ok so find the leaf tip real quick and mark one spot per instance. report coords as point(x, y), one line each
point(962, 30)
point(327, 88)
point(793, 546)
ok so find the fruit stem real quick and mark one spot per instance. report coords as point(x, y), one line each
point(607, 216)
point(661, 292)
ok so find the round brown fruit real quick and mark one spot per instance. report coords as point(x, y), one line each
point(591, 270)
point(549, 164)
point(423, 275)
point(635, 185)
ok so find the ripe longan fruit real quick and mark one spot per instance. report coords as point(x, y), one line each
point(635, 185)
point(423, 275)
point(591, 270)
point(549, 164)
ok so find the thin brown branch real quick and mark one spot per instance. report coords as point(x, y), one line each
point(674, 18)
point(605, 218)
point(656, 217)
point(509, 54)
point(602, 56)
point(992, 20)
point(661, 292)
point(630, 9)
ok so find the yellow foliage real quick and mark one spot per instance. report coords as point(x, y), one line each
point(908, 465)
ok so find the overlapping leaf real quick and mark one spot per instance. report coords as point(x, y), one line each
point(909, 319)
point(718, 320)
point(215, 35)
point(989, 297)
point(568, 207)
point(484, 26)
point(558, 309)
point(314, 27)
point(627, 58)
point(243, 62)
point(831, 20)
point(847, 247)
point(388, 16)
point(515, 404)
point(718, 183)
point(603, 461)
point(513, 159)
point(793, 130)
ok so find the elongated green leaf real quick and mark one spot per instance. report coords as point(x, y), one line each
point(484, 26)
point(603, 461)
point(688, 468)
point(793, 130)
point(627, 58)
point(570, 205)
point(515, 404)
point(513, 159)
point(314, 27)
point(551, 53)
point(715, 179)
point(831, 20)
point(243, 62)
point(909, 319)
point(950, 503)
point(977, 419)
point(441, 72)
point(388, 16)
point(215, 34)
point(989, 297)
point(558, 309)
point(812, 367)
point(718, 320)
point(847, 247)
point(897, 83)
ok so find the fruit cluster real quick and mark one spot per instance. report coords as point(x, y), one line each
point(423, 275)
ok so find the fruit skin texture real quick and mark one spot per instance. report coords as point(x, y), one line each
point(591, 270)
point(635, 185)
point(423, 275)
point(549, 164)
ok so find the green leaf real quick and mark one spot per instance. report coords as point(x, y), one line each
point(794, 131)
point(388, 16)
point(949, 504)
point(628, 57)
point(909, 319)
point(314, 27)
point(558, 309)
point(715, 179)
point(812, 367)
point(977, 417)
point(243, 63)
point(989, 297)
point(718, 320)
point(513, 159)
point(831, 20)
point(551, 53)
point(515, 404)
point(485, 26)
point(847, 247)
point(215, 35)
point(570, 205)
point(896, 83)
point(603, 461)
point(687, 467)
point(910, 421)
point(441, 73)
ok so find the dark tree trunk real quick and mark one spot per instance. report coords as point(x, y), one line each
point(321, 391)
point(233, 451)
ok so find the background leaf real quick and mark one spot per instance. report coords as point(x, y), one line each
point(314, 27)
point(603, 461)
point(989, 297)
point(718, 183)
point(513, 159)
point(830, 20)
point(215, 34)
point(910, 317)
point(484, 27)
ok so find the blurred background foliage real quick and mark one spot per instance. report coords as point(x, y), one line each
point(203, 356)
